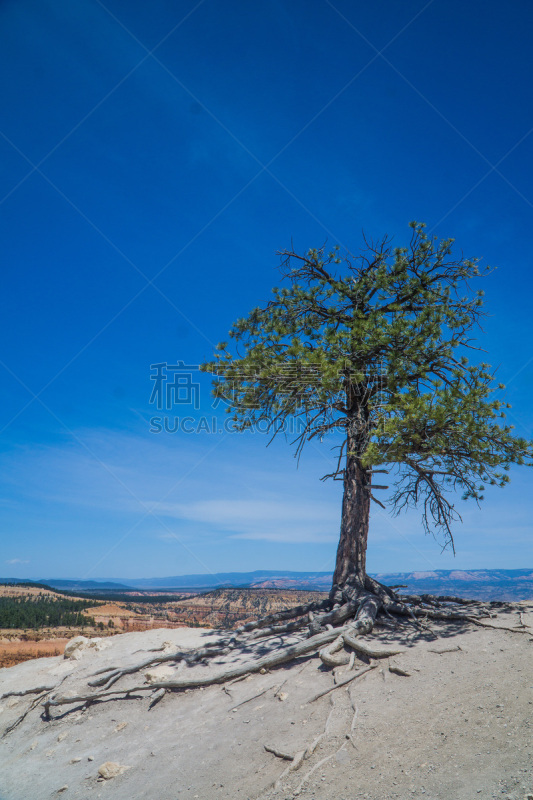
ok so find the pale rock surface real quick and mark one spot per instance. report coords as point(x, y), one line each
point(75, 648)
point(459, 728)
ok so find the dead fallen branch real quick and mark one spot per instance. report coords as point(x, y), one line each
point(399, 671)
point(156, 697)
point(278, 753)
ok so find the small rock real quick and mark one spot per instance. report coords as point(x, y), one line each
point(111, 769)
point(120, 727)
point(63, 788)
point(75, 760)
point(33, 745)
point(282, 695)
point(99, 643)
point(75, 646)
point(62, 735)
point(90, 758)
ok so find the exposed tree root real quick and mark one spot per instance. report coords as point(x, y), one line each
point(189, 656)
point(328, 654)
point(522, 624)
point(290, 613)
point(24, 692)
point(87, 699)
point(496, 627)
point(35, 702)
point(302, 755)
point(324, 760)
point(281, 656)
point(334, 628)
point(366, 649)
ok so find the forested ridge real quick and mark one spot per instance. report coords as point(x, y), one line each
point(43, 611)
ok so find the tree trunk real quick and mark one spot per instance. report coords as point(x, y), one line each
point(350, 567)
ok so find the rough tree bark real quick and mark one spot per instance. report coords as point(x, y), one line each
point(350, 566)
point(331, 626)
point(350, 581)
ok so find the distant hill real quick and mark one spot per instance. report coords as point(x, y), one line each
point(71, 586)
point(270, 579)
point(481, 584)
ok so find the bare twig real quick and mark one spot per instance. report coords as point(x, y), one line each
point(254, 697)
point(343, 683)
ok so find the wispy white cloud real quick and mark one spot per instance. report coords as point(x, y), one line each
point(131, 475)
point(283, 520)
point(218, 500)
point(16, 561)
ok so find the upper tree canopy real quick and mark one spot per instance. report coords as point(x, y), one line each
point(377, 347)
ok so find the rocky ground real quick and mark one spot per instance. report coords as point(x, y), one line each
point(457, 727)
point(222, 608)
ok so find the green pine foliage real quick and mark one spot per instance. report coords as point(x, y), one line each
point(43, 612)
point(377, 348)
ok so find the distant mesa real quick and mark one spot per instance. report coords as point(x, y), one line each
point(419, 575)
point(483, 584)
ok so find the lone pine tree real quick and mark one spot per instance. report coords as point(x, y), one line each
point(376, 348)
point(377, 354)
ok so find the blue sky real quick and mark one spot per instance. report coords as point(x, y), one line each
point(153, 159)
